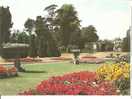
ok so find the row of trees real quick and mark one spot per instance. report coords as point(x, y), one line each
point(59, 30)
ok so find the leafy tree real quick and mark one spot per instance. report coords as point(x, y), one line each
point(67, 23)
point(33, 47)
point(50, 21)
point(46, 43)
point(89, 34)
point(29, 25)
point(108, 45)
point(5, 25)
point(51, 16)
point(19, 37)
point(75, 39)
point(23, 38)
point(42, 31)
point(14, 36)
point(105, 45)
point(126, 42)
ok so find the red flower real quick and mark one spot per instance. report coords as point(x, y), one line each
point(3, 69)
point(81, 83)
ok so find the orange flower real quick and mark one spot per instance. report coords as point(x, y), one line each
point(3, 69)
point(12, 69)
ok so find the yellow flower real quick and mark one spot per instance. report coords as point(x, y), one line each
point(114, 71)
point(126, 75)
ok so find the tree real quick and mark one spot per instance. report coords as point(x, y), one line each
point(51, 15)
point(29, 25)
point(5, 25)
point(89, 34)
point(50, 21)
point(67, 23)
point(108, 45)
point(42, 31)
point(23, 38)
point(46, 43)
point(77, 41)
point(89, 37)
point(126, 42)
point(19, 37)
point(105, 45)
point(33, 48)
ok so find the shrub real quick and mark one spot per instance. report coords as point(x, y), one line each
point(123, 84)
point(14, 50)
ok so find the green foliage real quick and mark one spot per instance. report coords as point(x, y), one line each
point(23, 38)
point(46, 43)
point(5, 25)
point(126, 42)
point(105, 45)
point(29, 25)
point(33, 46)
point(89, 34)
point(52, 49)
point(42, 31)
point(123, 85)
point(14, 50)
point(108, 45)
point(89, 47)
point(19, 37)
point(68, 23)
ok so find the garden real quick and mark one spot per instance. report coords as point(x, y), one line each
point(65, 78)
point(54, 54)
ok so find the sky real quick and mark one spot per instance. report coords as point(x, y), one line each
point(111, 18)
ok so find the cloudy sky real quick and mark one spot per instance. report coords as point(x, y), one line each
point(110, 17)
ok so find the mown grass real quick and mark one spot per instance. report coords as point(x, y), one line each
point(38, 72)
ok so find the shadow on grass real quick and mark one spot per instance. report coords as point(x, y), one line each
point(31, 71)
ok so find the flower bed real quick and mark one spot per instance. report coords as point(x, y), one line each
point(3, 70)
point(28, 59)
point(60, 58)
point(92, 57)
point(7, 71)
point(118, 73)
point(81, 83)
point(114, 71)
point(91, 60)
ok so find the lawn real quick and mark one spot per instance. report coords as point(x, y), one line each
point(38, 72)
